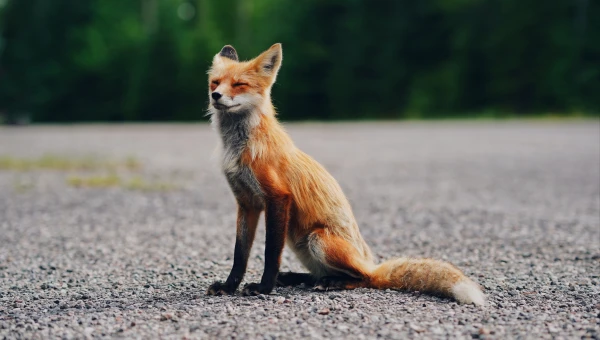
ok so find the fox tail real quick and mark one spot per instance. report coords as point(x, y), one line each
point(428, 276)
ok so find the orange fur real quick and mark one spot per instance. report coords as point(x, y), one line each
point(322, 229)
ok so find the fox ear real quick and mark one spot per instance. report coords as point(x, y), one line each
point(269, 61)
point(229, 52)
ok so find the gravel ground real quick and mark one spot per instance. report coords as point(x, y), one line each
point(516, 205)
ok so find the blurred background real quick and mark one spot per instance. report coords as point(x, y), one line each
point(146, 60)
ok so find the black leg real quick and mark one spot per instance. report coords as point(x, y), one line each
point(277, 215)
point(327, 283)
point(294, 279)
point(245, 231)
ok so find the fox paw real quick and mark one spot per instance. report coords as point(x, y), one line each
point(220, 288)
point(253, 289)
point(290, 279)
point(328, 283)
point(336, 283)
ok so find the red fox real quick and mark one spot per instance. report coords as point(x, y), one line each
point(304, 205)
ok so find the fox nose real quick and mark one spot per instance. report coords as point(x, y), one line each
point(216, 95)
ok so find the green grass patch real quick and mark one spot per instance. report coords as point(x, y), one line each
point(22, 186)
point(61, 163)
point(98, 181)
point(138, 183)
point(102, 174)
point(114, 181)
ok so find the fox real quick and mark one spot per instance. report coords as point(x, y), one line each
point(304, 205)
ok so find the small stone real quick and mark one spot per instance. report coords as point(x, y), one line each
point(483, 331)
point(553, 329)
point(280, 299)
point(324, 311)
point(417, 328)
point(437, 331)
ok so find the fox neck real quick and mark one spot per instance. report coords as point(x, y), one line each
point(235, 129)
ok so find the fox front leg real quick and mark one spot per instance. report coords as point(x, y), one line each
point(247, 221)
point(277, 215)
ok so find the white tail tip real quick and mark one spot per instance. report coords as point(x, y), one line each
point(467, 291)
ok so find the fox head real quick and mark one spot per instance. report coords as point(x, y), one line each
point(242, 86)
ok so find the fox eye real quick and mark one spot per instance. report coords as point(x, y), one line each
point(239, 84)
point(216, 82)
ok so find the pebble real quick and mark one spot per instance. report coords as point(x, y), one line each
point(324, 311)
point(416, 328)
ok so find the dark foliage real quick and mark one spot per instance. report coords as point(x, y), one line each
point(108, 60)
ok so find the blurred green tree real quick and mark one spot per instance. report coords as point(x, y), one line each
point(106, 60)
